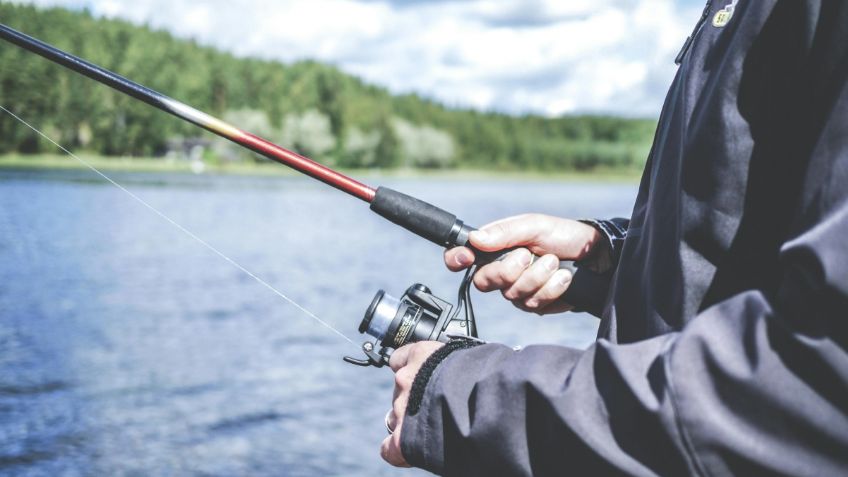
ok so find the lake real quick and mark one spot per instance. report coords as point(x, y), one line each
point(127, 348)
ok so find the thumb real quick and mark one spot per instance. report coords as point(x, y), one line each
point(506, 233)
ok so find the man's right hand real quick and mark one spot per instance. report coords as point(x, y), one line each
point(533, 287)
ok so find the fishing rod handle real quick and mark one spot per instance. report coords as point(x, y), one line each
point(446, 230)
point(582, 293)
point(430, 222)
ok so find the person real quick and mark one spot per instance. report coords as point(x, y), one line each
point(723, 299)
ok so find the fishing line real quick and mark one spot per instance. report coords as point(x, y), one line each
point(183, 229)
point(419, 217)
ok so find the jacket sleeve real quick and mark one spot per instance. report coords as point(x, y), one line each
point(754, 385)
point(613, 232)
point(591, 281)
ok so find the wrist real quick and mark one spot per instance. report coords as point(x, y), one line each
point(608, 239)
point(596, 239)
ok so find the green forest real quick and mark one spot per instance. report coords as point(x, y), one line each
point(310, 107)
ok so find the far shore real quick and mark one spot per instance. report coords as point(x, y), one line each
point(138, 164)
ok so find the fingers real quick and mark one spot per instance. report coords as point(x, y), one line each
point(541, 234)
point(395, 416)
point(502, 274)
point(458, 258)
point(531, 288)
point(553, 288)
point(512, 231)
point(413, 355)
point(400, 357)
point(403, 381)
point(405, 362)
point(539, 286)
point(533, 279)
point(390, 449)
point(403, 384)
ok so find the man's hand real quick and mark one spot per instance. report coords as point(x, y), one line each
point(405, 362)
point(529, 287)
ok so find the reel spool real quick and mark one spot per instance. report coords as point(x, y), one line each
point(418, 315)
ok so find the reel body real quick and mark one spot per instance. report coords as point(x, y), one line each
point(418, 315)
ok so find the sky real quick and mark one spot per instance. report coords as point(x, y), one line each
point(548, 57)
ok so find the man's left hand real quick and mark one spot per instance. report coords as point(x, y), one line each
point(405, 362)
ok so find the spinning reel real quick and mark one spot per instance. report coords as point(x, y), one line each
point(418, 315)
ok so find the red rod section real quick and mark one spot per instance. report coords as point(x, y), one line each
point(183, 111)
point(306, 166)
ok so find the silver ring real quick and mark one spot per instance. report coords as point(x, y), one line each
point(386, 420)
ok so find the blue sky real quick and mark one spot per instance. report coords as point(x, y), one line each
point(517, 56)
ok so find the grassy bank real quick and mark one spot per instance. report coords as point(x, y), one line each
point(137, 164)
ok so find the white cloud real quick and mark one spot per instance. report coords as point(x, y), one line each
point(544, 56)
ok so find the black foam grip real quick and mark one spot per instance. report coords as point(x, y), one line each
point(419, 217)
point(587, 291)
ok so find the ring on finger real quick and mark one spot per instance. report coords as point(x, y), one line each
point(386, 420)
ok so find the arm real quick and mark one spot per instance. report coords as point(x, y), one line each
point(756, 384)
point(753, 385)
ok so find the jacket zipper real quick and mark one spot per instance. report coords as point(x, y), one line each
point(689, 39)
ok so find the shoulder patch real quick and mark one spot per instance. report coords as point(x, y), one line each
point(723, 16)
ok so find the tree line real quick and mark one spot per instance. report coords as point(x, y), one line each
point(311, 107)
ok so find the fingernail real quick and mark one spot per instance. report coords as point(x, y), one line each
point(462, 260)
point(564, 277)
point(552, 263)
point(531, 303)
point(522, 257)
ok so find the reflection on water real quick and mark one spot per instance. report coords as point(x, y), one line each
point(127, 348)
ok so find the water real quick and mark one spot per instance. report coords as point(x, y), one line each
point(128, 349)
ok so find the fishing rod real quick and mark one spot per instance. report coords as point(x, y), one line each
point(417, 216)
point(418, 314)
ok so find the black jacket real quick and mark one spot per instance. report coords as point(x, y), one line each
point(722, 343)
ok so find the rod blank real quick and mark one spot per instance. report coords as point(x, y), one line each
point(183, 111)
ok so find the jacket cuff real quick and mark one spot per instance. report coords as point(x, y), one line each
point(614, 232)
point(422, 434)
point(419, 384)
